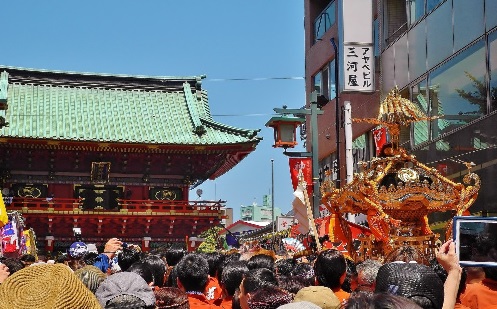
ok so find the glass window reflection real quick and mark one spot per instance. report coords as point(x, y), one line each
point(421, 132)
point(458, 90)
point(439, 35)
point(332, 80)
point(490, 16)
point(431, 4)
point(416, 9)
point(324, 21)
point(466, 27)
point(317, 82)
point(417, 50)
point(492, 45)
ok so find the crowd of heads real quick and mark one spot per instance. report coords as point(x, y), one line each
point(176, 279)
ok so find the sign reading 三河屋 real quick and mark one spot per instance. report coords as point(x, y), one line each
point(358, 64)
point(358, 48)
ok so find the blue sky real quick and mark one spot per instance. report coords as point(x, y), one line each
point(223, 39)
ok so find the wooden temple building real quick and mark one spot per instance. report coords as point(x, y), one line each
point(113, 155)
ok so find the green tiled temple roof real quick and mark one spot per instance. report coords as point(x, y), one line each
point(92, 107)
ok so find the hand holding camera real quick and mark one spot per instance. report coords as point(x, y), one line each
point(112, 246)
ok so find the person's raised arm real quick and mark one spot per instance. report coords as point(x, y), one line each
point(102, 261)
point(447, 257)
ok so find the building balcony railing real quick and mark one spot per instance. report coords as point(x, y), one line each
point(72, 204)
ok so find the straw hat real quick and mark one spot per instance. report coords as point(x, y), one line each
point(47, 286)
point(318, 295)
point(91, 276)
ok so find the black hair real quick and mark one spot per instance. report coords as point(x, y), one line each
point(174, 255)
point(172, 278)
point(292, 284)
point(89, 258)
point(171, 298)
point(158, 268)
point(228, 258)
point(28, 258)
point(269, 297)
point(61, 258)
point(143, 269)
point(442, 273)
point(261, 261)
point(305, 271)
point(329, 267)
point(193, 272)
point(368, 300)
point(127, 257)
point(284, 266)
point(258, 279)
point(14, 265)
point(351, 272)
point(232, 276)
point(214, 259)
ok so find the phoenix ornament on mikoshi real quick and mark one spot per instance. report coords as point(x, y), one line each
point(397, 192)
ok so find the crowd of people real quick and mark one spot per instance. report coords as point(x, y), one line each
point(122, 276)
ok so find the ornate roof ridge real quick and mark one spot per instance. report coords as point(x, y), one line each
point(250, 133)
point(6, 67)
point(104, 80)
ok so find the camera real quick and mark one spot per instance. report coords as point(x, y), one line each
point(77, 233)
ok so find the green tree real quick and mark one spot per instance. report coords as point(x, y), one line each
point(213, 241)
point(479, 96)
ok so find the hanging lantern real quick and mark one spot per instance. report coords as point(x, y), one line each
point(285, 130)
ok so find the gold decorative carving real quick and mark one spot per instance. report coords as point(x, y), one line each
point(29, 191)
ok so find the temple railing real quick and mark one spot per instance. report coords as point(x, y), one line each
point(71, 204)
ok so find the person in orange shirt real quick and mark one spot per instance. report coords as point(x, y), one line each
point(192, 275)
point(213, 289)
point(482, 294)
point(330, 270)
point(231, 277)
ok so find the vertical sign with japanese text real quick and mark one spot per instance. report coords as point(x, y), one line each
point(358, 64)
point(357, 45)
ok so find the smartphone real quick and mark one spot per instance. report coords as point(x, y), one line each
point(476, 240)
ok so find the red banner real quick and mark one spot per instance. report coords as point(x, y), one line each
point(380, 139)
point(304, 164)
point(442, 169)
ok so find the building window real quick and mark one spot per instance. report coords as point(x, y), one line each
point(492, 46)
point(415, 9)
point(376, 38)
point(431, 4)
point(458, 90)
point(394, 20)
point(421, 129)
point(332, 79)
point(324, 21)
point(322, 82)
point(317, 82)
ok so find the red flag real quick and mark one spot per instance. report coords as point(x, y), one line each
point(442, 169)
point(380, 139)
point(304, 165)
